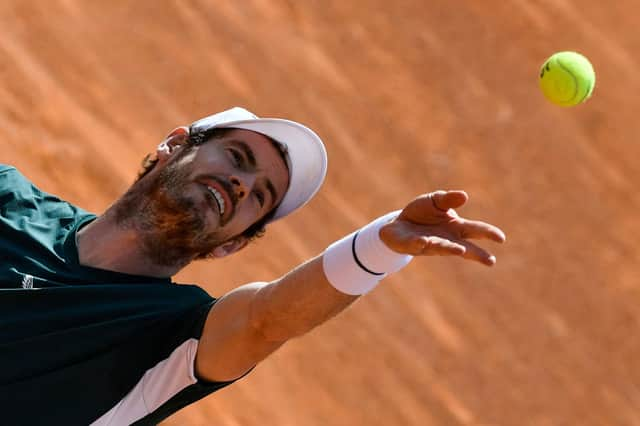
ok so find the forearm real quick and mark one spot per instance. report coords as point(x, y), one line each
point(324, 286)
point(297, 302)
point(252, 321)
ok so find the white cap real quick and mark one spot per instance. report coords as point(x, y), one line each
point(305, 152)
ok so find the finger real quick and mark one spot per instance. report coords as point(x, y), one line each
point(430, 246)
point(477, 253)
point(478, 229)
point(445, 200)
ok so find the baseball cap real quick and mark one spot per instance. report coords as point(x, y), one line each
point(305, 153)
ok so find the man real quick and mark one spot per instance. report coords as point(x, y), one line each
point(92, 330)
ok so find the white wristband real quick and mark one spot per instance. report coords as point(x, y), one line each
point(355, 264)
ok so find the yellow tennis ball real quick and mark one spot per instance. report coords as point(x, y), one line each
point(567, 79)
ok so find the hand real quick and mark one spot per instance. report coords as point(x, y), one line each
point(429, 226)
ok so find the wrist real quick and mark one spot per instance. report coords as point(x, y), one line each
point(358, 262)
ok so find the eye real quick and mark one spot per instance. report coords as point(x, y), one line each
point(236, 158)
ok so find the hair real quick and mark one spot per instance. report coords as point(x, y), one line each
point(257, 229)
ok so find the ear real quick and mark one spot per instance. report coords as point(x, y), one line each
point(230, 247)
point(176, 138)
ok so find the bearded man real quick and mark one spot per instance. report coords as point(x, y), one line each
point(94, 331)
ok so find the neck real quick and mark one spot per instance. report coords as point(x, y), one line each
point(105, 244)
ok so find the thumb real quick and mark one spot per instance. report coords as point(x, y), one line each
point(445, 200)
point(433, 206)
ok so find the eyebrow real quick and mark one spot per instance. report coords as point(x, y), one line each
point(251, 158)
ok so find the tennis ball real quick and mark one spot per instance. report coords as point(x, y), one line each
point(567, 79)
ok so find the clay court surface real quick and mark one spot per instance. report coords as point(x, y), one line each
point(410, 96)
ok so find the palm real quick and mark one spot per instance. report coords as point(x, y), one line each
point(430, 226)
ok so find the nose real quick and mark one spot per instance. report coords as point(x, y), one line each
point(241, 186)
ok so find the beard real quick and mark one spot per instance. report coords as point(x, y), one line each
point(172, 228)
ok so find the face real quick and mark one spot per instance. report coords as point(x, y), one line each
point(236, 180)
point(200, 199)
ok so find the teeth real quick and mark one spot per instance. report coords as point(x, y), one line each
point(218, 198)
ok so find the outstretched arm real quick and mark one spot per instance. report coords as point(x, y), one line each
point(252, 321)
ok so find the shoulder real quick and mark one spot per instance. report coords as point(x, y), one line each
point(20, 197)
point(5, 168)
point(7, 172)
point(11, 180)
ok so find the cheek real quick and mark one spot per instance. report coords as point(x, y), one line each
point(245, 216)
point(210, 158)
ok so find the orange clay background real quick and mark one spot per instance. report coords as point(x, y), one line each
point(410, 96)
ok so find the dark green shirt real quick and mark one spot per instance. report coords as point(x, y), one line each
point(38, 239)
point(76, 342)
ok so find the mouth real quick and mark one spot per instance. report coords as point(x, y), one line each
point(219, 197)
